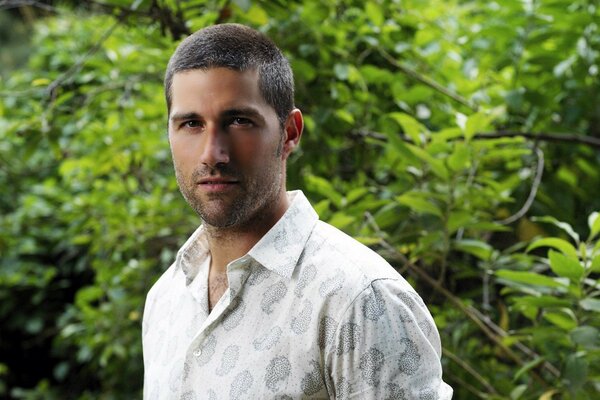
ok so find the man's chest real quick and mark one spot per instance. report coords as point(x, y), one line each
point(264, 346)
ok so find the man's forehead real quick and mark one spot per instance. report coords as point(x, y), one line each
point(253, 72)
point(218, 90)
point(216, 79)
point(220, 84)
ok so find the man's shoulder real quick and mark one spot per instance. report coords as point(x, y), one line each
point(335, 252)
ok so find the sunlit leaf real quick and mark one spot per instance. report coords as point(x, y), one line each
point(561, 319)
point(437, 166)
point(594, 224)
point(590, 304)
point(478, 122)
point(565, 247)
point(562, 225)
point(419, 203)
point(527, 367)
point(530, 278)
point(413, 128)
point(595, 265)
point(564, 266)
point(479, 249)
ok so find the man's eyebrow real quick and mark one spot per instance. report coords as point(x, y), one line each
point(232, 112)
point(184, 116)
point(245, 111)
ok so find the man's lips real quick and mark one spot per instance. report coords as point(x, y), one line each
point(217, 184)
point(217, 181)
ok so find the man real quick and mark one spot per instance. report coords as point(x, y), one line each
point(265, 301)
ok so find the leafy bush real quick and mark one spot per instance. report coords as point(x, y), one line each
point(446, 125)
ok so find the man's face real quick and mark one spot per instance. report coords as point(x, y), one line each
point(226, 143)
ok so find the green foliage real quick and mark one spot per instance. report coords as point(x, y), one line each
point(562, 308)
point(397, 94)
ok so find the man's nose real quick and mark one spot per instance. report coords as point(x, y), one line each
point(215, 147)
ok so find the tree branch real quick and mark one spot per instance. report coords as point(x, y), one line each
point(537, 179)
point(543, 136)
point(50, 89)
point(426, 80)
point(470, 370)
point(467, 386)
point(556, 137)
point(8, 4)
point(495, 333)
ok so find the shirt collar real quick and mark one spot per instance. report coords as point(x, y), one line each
point(278, 250)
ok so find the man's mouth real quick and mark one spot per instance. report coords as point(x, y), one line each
point(217, 184)
point(217, 181)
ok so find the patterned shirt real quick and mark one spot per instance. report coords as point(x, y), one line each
point(310, 313)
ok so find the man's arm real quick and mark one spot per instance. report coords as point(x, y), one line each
point(385, 346)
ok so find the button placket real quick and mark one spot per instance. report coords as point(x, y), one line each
point(197, 345)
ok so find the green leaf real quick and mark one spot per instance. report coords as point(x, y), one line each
point(590, 304)
point(40, 82)
point(488, 226)
point(575, 373)
point(561, 319)
point(437, 166)
point(595, 265)
point(341, 220)
point(594, 224)
point(417, 202)
point(530, 365)
point(479, 249)
point(458, 219)
point(542, 301)
point(587, 336)
point(243, 4)
point(564, 266)
point(477, 123)
point(257, 15)
point(345, 116)
point(562, 225)
point(374, 12)
point(341, 71)
point(34, 325)
point(368, 241)
point(324, 188)
point(564, 66)
point(303, 70)
point(460, 157)
point(356, 194)
point(529, 278)
point(517, 392)
point(322, 207)
point(565, 247)
point(548, 394)
point(411, 127)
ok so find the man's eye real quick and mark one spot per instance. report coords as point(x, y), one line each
point(241, 121)
point(191, 124)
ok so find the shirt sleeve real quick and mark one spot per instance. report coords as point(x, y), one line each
point(386, 346)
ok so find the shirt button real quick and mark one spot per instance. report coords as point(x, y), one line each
point(198, 352)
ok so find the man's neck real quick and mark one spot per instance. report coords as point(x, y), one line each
point(231, 243)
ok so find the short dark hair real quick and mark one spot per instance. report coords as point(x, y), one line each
point(239, 48)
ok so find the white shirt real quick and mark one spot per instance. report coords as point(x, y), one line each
point(309, 313)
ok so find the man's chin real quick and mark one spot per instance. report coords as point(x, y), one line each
point(218, 223)
point(220, 219)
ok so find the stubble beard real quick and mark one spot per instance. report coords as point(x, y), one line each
point(248, 206)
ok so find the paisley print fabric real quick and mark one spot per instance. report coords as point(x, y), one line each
point(310, 313)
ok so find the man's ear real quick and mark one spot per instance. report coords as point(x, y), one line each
point(294, 125)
